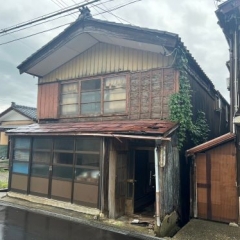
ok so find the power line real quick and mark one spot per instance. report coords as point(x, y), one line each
point(31, 35)
point(7, 33)
point(4, 43)
point(45, 15)
point(95, 9)
point(50, 16)
point(58, 3)
point(118, 7)
point(50, 20)
point(119, 18)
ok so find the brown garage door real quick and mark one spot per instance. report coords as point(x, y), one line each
point(216, 187)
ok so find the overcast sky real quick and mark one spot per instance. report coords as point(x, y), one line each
point(194, 21)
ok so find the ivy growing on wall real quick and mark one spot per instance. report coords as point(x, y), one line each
point(181, 108)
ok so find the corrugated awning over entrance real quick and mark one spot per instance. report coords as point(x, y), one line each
point(145, 128)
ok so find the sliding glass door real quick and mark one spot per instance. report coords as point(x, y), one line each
point(62, 168)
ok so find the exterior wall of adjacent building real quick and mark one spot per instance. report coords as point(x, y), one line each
point(216, 108)
point(10, 119)
point(3, 138)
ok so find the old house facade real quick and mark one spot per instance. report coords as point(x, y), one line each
point(104, 139)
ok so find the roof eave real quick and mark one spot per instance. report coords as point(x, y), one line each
point(92, 25)
point(210, 144)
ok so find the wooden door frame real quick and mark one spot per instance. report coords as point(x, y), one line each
point(130, 201)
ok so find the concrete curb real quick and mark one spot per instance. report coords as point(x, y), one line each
point(4, 190)
point(92, 223)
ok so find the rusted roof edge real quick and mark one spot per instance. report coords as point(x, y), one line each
point(210, 144)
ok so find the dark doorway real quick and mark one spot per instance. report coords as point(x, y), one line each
point(144, 195)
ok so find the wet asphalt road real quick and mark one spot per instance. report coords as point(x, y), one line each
point(16, 224)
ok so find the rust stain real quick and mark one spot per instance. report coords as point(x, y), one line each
point(150, 127)
point(212, 143)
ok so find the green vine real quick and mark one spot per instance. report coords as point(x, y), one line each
point(181, 108)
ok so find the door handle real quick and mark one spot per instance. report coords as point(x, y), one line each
point(150, 179)
point(131, 180)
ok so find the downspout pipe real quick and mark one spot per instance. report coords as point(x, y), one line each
point(231, 85)
point(235, 47)
point(156, 160)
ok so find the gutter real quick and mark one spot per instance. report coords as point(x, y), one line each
point(157, 186)
point(89, 134)
point(159, 171)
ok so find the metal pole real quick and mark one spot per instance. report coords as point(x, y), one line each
point(235, 78)
point(157, 186)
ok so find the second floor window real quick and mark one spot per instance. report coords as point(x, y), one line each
point(95, 96)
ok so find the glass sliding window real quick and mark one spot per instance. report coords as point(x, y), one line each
point(87, 160)
point(21, 155)
point(69, 99)
point(95, 96)
point(40, 170)
point(91, 96)
point(41, 156)
point(63, 158)
point(115, 94)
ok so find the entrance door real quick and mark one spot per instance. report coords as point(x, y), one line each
point(141, 181)
point(144, 179)
point(216, 187)
point(40, 166)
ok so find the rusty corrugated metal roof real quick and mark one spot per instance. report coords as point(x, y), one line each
point(210, 144)
point(143, 127)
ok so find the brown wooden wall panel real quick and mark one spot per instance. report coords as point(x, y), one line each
point(85, 193)
point(19, 182)
point(39, 185)
point(201, 185)
point(216, 184)
point(150, 92)
point(48, 100)
point(223, 188)
point(61, 189)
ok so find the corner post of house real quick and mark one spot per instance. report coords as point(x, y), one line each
point(11, 144)
point(159, 159)
point(112, 181)
point(193, 187)
point(237, 144)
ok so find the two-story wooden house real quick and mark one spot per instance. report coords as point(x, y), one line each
point(104, 139)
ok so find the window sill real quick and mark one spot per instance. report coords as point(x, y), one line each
point(93, 115)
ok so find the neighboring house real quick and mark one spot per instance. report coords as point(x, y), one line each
point(13, 117)
point(104, 139)
point(215, 165)
point(228, 14)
